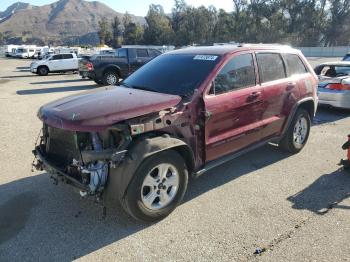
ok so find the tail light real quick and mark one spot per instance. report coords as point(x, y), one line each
point(338, 86)
point(90, 66)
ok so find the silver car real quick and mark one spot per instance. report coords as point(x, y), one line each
point(334, 84)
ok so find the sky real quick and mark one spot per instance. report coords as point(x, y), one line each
point(135, 7)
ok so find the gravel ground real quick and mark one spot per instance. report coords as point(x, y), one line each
point(294, 207)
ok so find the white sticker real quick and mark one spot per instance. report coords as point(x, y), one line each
point(205, 57)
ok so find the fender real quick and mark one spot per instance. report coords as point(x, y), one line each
point(121, 176)
point(112, 67)
point(294, 110)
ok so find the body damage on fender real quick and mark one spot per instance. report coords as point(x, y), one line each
point(87, 159)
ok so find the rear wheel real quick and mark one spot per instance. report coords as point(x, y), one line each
point(43, 70)
point(110, 78)
point(298, 132)
point(158, 186)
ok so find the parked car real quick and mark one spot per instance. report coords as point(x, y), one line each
point(25, 52)
point(346, 57)
point(181, 114)
point(82, 66)
point(55, 63)
point(334, 83)
point(109, 69)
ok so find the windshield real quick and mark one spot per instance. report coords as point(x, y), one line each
point(176, 74)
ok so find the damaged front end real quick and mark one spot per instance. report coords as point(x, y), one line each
point(83, 159)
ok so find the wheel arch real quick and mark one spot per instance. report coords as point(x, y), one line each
point(138, 151)
point(112, 68)
point(309, 106)
point(306, 103)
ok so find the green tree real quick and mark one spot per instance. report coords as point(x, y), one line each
point(103, 31)
point(224, 27)
point(337, 29)
point(158, 30)
point(117, 32)
point(133, 34)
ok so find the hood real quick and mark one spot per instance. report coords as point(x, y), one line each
point(37, 62)
point(102, 107)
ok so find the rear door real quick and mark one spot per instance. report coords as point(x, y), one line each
point(233, 108)
point(279, 91)
point(68, 62)
point(141, 58)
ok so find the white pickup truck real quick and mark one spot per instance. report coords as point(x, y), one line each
point(55, 63)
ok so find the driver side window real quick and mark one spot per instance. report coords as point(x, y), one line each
point(238, 73)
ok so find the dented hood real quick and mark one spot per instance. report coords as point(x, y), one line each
point(102, 107)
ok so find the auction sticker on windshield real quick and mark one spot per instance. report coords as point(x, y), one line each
point(205, 57)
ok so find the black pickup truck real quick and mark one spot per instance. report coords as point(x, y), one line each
point(107, 69)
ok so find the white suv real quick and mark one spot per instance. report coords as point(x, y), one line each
point(55, 63)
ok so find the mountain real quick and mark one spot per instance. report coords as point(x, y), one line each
point(12, 9)
point(57, 23)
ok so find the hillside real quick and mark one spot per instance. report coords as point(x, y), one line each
point(59, 22)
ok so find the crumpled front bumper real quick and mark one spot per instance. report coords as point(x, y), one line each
point(43, 163)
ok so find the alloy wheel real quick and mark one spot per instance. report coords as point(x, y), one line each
point(160, 186)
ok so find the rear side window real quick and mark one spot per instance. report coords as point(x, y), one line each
point(153, 52)
point(271, 67)
point(237, 73)
point(141, 53)
point(294, 65)
point(67, 56)
point(122, 53)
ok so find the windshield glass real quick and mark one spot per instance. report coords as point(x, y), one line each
point(176, 74)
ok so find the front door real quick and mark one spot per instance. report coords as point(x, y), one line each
point(233, 107)
point(55, 63)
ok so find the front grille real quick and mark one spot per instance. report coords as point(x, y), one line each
point(61, 146)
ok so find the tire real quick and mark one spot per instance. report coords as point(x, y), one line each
point(110, 78)
point(43, 71)
point(298, 132)
point(169, 190)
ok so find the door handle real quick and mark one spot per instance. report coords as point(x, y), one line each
point(253, 96)
point(290, 86)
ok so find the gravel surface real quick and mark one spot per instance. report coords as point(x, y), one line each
point(292, 207)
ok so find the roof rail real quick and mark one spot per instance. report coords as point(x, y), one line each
point(261, 44)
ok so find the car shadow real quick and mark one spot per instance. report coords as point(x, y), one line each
point(54, 90)
point(67, 227)
point(324, 193)
point(329, 115)
point(31, 75)
point(59, 81)
point(22, 67)
point(235, 168)
point(22, 70)
point(35, 213)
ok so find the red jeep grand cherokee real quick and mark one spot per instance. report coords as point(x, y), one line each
point(183, 113)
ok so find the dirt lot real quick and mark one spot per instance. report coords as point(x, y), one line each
point(297, 207)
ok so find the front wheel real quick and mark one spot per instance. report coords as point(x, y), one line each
point(43, 71)
point(298, 132)
point(157, 187)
